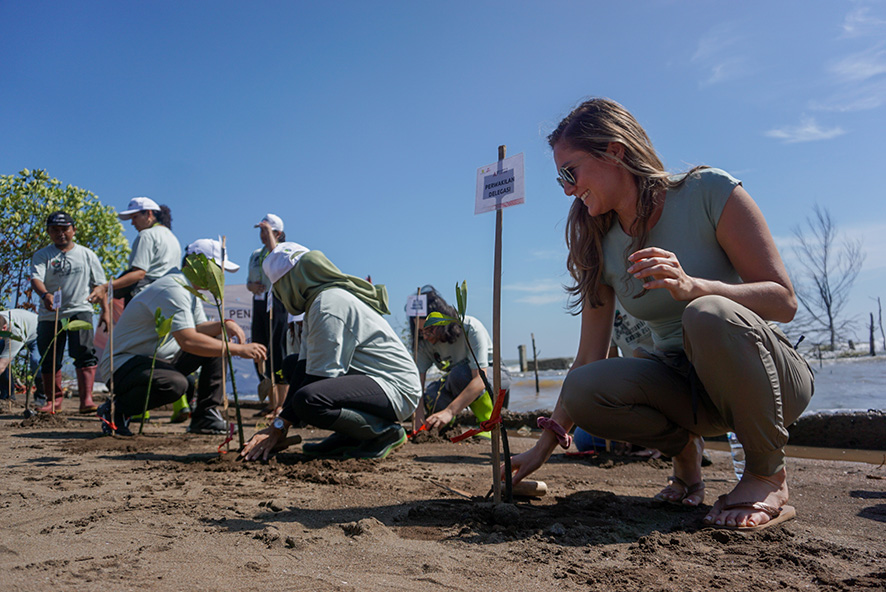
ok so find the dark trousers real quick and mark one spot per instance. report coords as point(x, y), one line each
point(169, 383)
point(319, 403)
point(263, 333)
point(80, 346)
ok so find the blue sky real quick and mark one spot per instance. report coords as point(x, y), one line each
point(362, 124)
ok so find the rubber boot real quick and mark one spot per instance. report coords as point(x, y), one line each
point(52, 386)
point(180, 410)
point(85, 381)
point(378, 436)
point(482, 408)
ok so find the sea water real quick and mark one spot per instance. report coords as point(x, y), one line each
point(844, 384)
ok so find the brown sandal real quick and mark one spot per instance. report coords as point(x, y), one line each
point(776, 515)
point(687, 491)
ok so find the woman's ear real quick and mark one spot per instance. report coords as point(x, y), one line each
point(616, 150)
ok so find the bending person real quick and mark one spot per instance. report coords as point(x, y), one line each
point(354, 376)
point(22, 324)
point(447, 347)
point(155, 251)
point(193, 346)
point(691, 255)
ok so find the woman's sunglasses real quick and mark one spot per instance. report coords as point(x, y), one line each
point(566, 176)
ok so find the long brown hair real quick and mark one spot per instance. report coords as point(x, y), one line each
point(591, 127)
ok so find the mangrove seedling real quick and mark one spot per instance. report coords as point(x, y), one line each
point(438, 319)
point(163, 327)
point(205, 274)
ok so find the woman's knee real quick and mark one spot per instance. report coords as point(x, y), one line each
point(583, 392)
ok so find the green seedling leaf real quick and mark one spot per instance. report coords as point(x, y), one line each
point(437, 319)
point(76, 325)
point(190, 289)
point(461, 297)
point(165, 327)
point(204, 274)
point(191, 269)
point(9, 335)
point(64, 324)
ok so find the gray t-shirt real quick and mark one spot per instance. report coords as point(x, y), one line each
point(687, 228)
point(21, 323)
point(341, 333)
point(76, 272)
point(135, 333)
point(156, 251)
point(456, 353)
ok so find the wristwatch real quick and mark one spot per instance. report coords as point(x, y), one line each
point(278, 424)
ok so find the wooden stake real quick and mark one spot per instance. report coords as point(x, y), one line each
point(415, 323)
point(222, 321)
point(496, 348)
point(109, 303)
point(54, 350)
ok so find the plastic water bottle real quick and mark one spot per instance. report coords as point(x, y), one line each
point(737, 454)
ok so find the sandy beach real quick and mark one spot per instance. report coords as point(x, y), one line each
point(165, 511)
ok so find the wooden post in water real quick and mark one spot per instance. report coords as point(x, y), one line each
point(535, 365)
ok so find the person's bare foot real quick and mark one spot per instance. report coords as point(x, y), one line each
point(688, 489)
point(771, 490)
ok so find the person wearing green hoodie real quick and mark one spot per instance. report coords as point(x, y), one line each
point(354, 375)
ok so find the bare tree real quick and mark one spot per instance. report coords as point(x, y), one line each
point(827, 273)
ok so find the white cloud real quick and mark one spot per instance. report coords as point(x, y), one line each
point(807, 131)
point(860, 66)
point(860, 23)
point(548, 255)
point(538, 293)
point(714, 56)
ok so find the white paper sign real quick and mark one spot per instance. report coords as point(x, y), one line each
point(57, 299)
point(500, 185)
point(417, 305)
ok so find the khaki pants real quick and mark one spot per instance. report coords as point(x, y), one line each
point(755, 384)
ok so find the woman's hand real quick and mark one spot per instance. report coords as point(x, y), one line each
point(261, 444)
point(661, 269)
point(528, 462)
point(439, 419)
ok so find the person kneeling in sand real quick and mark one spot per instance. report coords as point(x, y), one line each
point(690, 254)
point(354, 376)
point(449, 349)
point(193, 346)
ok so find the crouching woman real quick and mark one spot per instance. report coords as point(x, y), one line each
point(354, 375)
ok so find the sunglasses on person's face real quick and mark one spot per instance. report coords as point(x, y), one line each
point(566, 176)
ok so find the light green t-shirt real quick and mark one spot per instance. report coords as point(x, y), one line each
point(76, 272)
point(341, 333)
point(156, 251)
point(134, 332)
point(22, 324)
point(455, 353)
point(687, 228)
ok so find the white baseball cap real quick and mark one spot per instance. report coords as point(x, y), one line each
point(212, 249)
point(282, 259)
point(136, 205)
point(274, 221)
